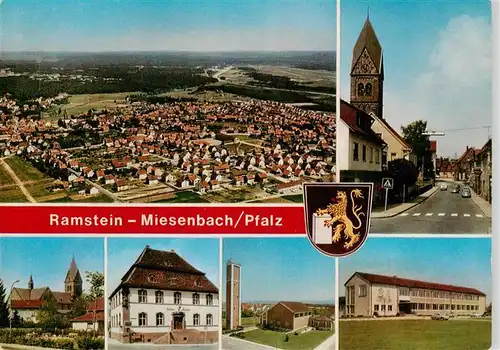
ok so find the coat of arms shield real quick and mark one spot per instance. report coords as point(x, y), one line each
point(338, 216)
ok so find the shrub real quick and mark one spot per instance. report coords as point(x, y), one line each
point(87, 343)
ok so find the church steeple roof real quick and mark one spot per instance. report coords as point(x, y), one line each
point(31, 285)
point(368, 39)
point(72, 271)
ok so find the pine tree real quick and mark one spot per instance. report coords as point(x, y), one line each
point(4, 309)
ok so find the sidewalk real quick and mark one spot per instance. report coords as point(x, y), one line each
point(398, 209)
point(483, 204)
point(22, 347)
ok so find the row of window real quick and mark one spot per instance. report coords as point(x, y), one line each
point(377, 307)
point(436, 294)
point(363, 292)
point(159, 298)
point(302, 314)
point(373, 154)
point(160, 319)
point(422, 306)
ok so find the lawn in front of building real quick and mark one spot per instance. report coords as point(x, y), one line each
point(308, 340)
point(456, 334)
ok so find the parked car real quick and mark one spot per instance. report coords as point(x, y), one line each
point(466, 192)
point(455, 189)
point(476, 315)
point(440, 317)
point(444, 187)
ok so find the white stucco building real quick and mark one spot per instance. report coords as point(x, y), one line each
point(163, 299)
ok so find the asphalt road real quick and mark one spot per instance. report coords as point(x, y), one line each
point(443, 212)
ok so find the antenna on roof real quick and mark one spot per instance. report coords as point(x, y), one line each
point(368, 12)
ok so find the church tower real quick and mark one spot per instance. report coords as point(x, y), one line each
point(31, 285)
point(367, 72)
point(73, 283)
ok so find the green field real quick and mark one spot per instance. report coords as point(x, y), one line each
point(416, 334)
point(5, 178)
point(24, 170)
point(249, 321)
point(296, 198)
point(184, 197)
point(82, 103)
point(309, 340)
point(94, 199)
point(12, 194)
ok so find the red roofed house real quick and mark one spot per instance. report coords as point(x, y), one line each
point(93, 320)
point(165, 300)
point(377, 295)
point(27, 301)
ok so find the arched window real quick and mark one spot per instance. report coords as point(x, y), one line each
point(159, 319)
point(361, 89)
point(159, 297)
point(210, 299)
point(209, 319)
point(368, 89)
point(177, 297)
point(143, 296)
point(196, 299)
point(196, 320)
point(143, 319)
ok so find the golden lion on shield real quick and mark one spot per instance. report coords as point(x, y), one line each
point(338, 213)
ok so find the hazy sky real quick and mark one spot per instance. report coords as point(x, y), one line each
point(202, 253)
point(437, 60)
point(280, 269)
point(195, 25)
point(462, 262)
point(48, 260)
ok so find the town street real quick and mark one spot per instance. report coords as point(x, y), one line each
point(443, 212)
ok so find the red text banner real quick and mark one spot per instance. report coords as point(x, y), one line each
point(152, 219)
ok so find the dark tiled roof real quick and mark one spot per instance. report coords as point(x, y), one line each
point(168, 260)
point(27, 294)
point(368, 39)
point(166, 270)
point(62, 297)
point(295, 306)
point(170, 280)
point(403, 282)
point(73, 272)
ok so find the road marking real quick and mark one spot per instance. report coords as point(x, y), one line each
point(416, 214)
point(466, 215)
point(405, 214)
point(441, 214)
point(454, 214)
point(429, 214)
point(479, 215)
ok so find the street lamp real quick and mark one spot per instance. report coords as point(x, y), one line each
point(10, 306)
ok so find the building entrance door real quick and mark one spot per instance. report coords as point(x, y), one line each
point(178, 320)
point(405, 308)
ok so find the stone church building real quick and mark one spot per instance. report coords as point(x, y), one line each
point(28, 301)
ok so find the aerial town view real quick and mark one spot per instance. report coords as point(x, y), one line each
point(265, 304)
point(223, 116)
point(418, 293)
point(405, 114)
point(51, 293)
